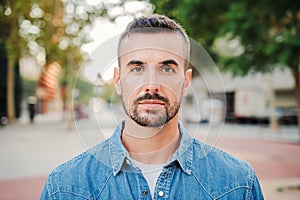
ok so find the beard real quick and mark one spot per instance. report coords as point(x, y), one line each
point(152, 117)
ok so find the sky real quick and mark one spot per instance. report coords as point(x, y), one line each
point(102, 34)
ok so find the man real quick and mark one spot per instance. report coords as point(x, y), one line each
point(150, 155)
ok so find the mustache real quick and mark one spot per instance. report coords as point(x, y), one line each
point(154, 96)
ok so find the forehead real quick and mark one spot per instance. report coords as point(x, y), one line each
point(135, 44)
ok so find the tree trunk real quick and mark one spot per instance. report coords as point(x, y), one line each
point(10, 90)
point(12, 55)
point(70, 75)
point(296, 75)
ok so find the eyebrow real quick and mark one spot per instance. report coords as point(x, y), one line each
point(168, 62)
point(135, 62)
point(165, 62)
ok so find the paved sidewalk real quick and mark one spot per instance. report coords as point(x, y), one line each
point(23, 188)
point(29, 151)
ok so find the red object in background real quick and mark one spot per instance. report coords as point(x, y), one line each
point(48, 85)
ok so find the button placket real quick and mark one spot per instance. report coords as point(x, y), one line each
point(164, 183)
point(144, 193)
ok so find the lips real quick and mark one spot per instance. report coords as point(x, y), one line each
point(152, 102)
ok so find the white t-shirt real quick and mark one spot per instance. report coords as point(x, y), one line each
point(150, 172)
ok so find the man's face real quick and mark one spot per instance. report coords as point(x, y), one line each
point(152, 79)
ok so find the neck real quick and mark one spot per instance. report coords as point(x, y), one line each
point(151, 145)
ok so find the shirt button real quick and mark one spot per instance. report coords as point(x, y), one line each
point(161, 193)
point(144, 192)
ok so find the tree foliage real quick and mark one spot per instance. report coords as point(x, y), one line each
point(9, 16)
point(268, 30)
point(201, 19)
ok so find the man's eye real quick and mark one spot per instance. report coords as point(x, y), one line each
point(168, 69)
point(137, 69)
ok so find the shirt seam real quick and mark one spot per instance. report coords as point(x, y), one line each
point(202, 185)
point(251, 182)
point(102, 187)
point(233, 189)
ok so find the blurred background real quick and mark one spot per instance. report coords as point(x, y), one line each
point(57, 98)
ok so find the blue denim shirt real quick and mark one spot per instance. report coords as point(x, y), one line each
point(195, 171)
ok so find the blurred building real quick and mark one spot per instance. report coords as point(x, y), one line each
point(260, 96)
point(255, 98)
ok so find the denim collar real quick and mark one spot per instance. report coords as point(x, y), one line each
point(120, 156)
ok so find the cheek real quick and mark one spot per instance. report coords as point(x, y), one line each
point(129, 90)
point(175, 96)
point(131, 83)
point(174, 87)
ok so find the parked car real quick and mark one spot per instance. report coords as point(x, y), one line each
point(287, 115)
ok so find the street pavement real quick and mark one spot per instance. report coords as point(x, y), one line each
point(29, 151)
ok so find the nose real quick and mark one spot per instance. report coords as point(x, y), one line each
point(152, 85)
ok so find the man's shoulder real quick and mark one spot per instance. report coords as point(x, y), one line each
point(89, 157)
point(82, 173)
point(214, 154)
point(221, 174)
point(212, 163)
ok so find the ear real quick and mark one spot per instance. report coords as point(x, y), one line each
point(117, 81)
point(187, 81)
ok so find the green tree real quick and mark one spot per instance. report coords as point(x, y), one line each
point(61, 29)
point(201, 19)
point(10, 12)
point(268, 32)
